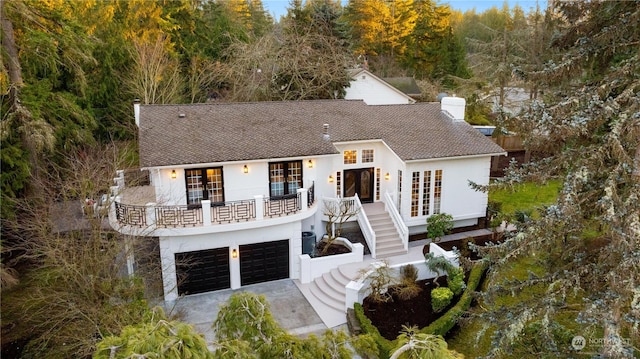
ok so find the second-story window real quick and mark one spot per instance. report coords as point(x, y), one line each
point(350, 157)
point(204, 184)
point(367, 156)
point(284, 178)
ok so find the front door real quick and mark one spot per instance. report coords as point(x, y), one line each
point(359, 181)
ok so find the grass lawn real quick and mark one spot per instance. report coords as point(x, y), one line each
point(526, 196)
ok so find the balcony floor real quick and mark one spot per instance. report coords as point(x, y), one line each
point(138, 196)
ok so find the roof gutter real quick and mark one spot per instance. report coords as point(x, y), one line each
point(457, 157)
point(262, 160)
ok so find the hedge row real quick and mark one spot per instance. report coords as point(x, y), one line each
point(440, 326)
point(385, 346)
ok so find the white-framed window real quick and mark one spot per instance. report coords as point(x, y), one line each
point(367, 156)
point(437, 191)
point(415, 194)
point(400, 191)
point(377, 184)
point(284, 178)
point(350, 157)
point(203, 184)
point(426, 193)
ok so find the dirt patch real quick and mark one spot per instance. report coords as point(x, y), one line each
point(389, 317)
point(335, 247)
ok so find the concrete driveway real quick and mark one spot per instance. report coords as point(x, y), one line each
point(288, 306)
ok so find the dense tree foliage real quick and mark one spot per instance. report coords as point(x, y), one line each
point(245, 328)
point(70, 69)
point(155, 337)
point(586, 248)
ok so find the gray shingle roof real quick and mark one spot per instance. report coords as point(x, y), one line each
point(222, 132)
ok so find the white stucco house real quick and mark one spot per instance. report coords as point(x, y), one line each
point(235, 185)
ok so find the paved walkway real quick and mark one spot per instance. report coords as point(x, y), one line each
point(288, 306)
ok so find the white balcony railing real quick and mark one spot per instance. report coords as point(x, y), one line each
point(206, 214)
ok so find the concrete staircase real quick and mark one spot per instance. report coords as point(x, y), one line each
point(327, 293)
point(330, 289)
point(388, 241)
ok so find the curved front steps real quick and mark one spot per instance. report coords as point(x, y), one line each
point(330, 289)
point(327, 293)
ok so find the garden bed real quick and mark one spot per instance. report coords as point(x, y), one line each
point(335, 247)
point(389, 317)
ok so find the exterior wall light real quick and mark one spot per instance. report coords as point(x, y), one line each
point(174, 175)
point(310, 164)
point(234, 253)
point(386, 176)
point(245, 169)
point(330, 178)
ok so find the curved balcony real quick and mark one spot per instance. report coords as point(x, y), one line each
point(153, 219)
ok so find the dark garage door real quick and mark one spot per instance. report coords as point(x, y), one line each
point(263, 262)
point(203, 271)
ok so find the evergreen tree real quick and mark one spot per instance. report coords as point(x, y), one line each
point(588, 242)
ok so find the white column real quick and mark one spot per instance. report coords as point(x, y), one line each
point(206, 212)
point(304, 199)
point(151, 214)
point(113, 221)
point(305, 269)
point(119, 181)
point(168, 263)
point(259, 207)
point(128, 248)
point(234, 267)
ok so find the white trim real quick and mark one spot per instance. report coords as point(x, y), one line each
point(218, 164)
point(457, 157)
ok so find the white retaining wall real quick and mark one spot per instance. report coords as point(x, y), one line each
point(312, 268)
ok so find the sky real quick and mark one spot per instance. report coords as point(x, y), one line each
point(278, 8)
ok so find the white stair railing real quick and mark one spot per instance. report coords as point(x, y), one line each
point(365, 227)
point(402, 228)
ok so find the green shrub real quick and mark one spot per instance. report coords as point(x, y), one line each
point(442, 325)
point(440, 298)
point(384, 345)
point(455, 280)
point(438, 225)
